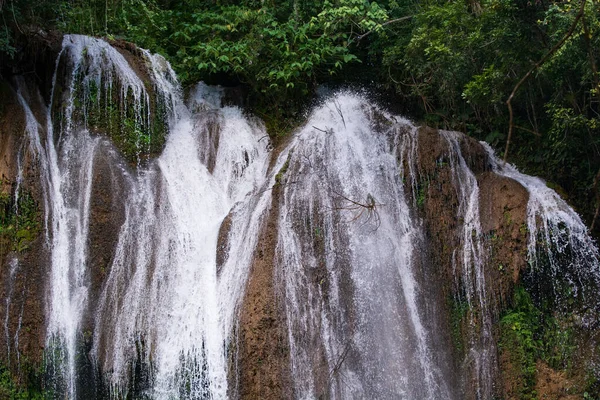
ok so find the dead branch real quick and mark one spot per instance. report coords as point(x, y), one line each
point(338, 108)
point(307, 158)
point(338, 364)
point(393, 21)
point(536, 133)
point(532, 70)
point(370, 206)
point(327, 130)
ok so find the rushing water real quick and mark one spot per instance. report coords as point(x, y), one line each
point(346, 246)
point(351, 254)
point(558, 240)
point(472, 260)
point(163, 288)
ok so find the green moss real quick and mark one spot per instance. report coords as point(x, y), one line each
point(20, 222)
point(458, 312)
point(125, 123)
point(283, 170)
point(421, 193)
point(523, 229)
point(507, 217)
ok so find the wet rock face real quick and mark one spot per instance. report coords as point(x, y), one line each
point(502, 214)
point(223, 244)
point(435, 200)
point(107, 214)
point(23, 253)
point(504, 224)
point(263, 354)
point(109, 90)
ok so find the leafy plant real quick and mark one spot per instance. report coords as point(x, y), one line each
point(9, 389)
point(19, 222)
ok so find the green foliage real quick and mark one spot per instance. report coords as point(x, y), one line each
point(520, 336)
point(20, 222)
point(9, 389)
point(280, 58)
point(461, 60)
point(6, 45)
point(529, 333)
point(103, 110)
point(283, 170)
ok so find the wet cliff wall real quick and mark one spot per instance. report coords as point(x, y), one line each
point(362, 257)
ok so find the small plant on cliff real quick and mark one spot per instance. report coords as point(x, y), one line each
point(9, 389)
point(19, 221)
point(283, 170)
point(529, 334)
point(520, 339)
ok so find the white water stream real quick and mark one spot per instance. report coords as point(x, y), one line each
point(347, 245)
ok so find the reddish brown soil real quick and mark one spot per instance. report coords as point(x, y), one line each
point(555, 385)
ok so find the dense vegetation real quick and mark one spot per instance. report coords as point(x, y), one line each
point(451, 64)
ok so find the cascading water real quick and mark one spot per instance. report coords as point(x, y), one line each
point(353, 263)
point(163, 290)
point(163, 303)
point(164, 265)
point(347, 246)
point(558, 238)
point(472, 276)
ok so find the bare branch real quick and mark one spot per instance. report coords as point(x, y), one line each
point(532, 70)
point(536, 133)
point(393, 21)
point(338, 108)
point(328, 130)
point(370, 206)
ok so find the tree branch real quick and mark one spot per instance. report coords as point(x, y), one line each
point(360, 37)
point(528, 74)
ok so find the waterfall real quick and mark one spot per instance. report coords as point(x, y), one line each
point(163, 303)
point(472, 277)
point(558, 240)
point(164, 266)
point(163, 289)
point(363, 297)
point(346, 245)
